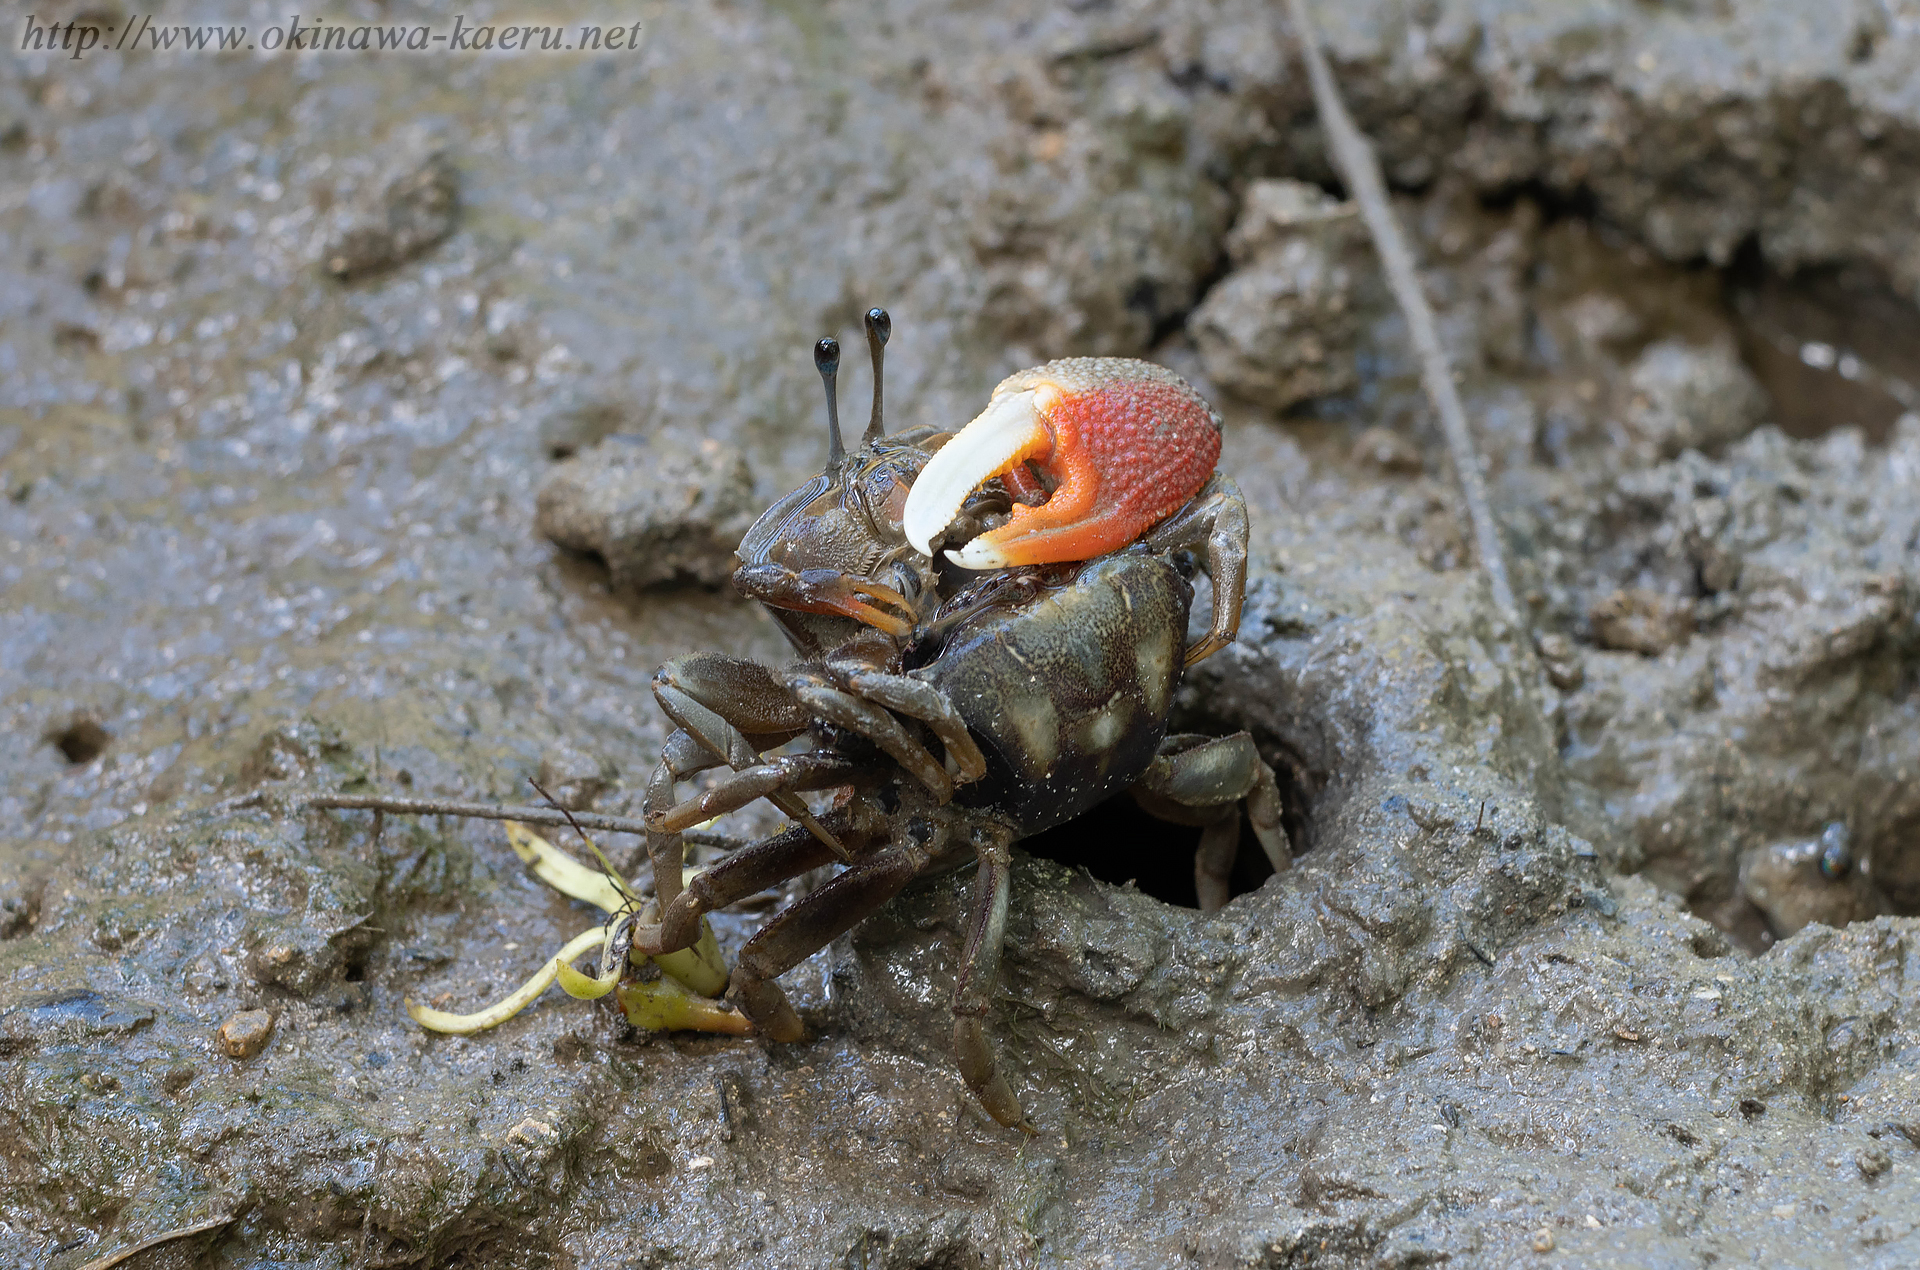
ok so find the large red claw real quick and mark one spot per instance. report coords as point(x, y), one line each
point(1124, 442)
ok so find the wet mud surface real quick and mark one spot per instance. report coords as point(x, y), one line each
point(1601, 945)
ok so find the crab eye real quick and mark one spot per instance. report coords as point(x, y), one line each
point(826, 360)
point(894, 507)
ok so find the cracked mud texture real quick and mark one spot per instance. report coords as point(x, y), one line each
point(268, 529)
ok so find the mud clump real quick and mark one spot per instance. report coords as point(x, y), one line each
point(1795, 884)
point(1640, 621)
point(1280, 329)
point(657, 509)
point(1688, 397)
point(245, 1034)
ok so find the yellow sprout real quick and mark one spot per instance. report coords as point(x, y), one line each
point(602, 889)
point(500, 1011)
point(665, 1006)
point(681, 999)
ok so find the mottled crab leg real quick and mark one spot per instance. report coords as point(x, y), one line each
point(748, 871)
point(1203, 781)
point(979, 972)
point(844, 710)
point(922, 701)
point(1217, 518)
point(1124, 444)
point(787, 774)
point(750, 689)
point(812, 924)
point(682, 756)
point(1213, 860)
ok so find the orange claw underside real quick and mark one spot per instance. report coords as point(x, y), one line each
point(1124, 444)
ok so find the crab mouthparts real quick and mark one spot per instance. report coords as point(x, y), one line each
point(1124, 442)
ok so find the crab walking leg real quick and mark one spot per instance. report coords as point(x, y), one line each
point(755, 701)
point(844, 710)
point(749, 871)
point(726, 740)
point(1263, 813)
point(681, 757)
point(1217, 517)
point(684, 756)
point(979, 972)
point(796, 773)
point(1201, 781)
point(922, 701)
point(1213, 862)
point(812, 924)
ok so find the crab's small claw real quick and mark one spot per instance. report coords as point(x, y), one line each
point(1124, 443)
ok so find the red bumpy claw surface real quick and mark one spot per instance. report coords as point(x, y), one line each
point(1124, 443)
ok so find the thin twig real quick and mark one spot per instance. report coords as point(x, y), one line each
point(491, 811)
point(606, 865)
point(1360, 168)
point(185, 1232)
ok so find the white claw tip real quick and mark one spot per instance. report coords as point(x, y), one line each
point(981, 450)
point(978, 555)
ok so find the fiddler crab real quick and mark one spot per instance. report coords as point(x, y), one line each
point(991, 624)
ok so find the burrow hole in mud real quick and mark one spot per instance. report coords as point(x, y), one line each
point(1119, 843)
point(80, 741)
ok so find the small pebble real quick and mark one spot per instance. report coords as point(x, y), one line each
point(1389, 451)
point(246, 1033)
point(1873, 1161)
point(1561, 660)
point(1543, 1240)
point(533, 1134)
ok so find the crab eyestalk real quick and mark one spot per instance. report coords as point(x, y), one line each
point(879, 330)
point(1123, 443)
point(826, 360)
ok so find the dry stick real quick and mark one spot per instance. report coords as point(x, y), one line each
point(1360, 168)
point(490, 811)
point(185, 1232)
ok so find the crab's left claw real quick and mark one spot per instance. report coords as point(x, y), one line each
point(1124, 443)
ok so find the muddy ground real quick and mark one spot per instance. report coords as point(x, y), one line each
point(1600, 948)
